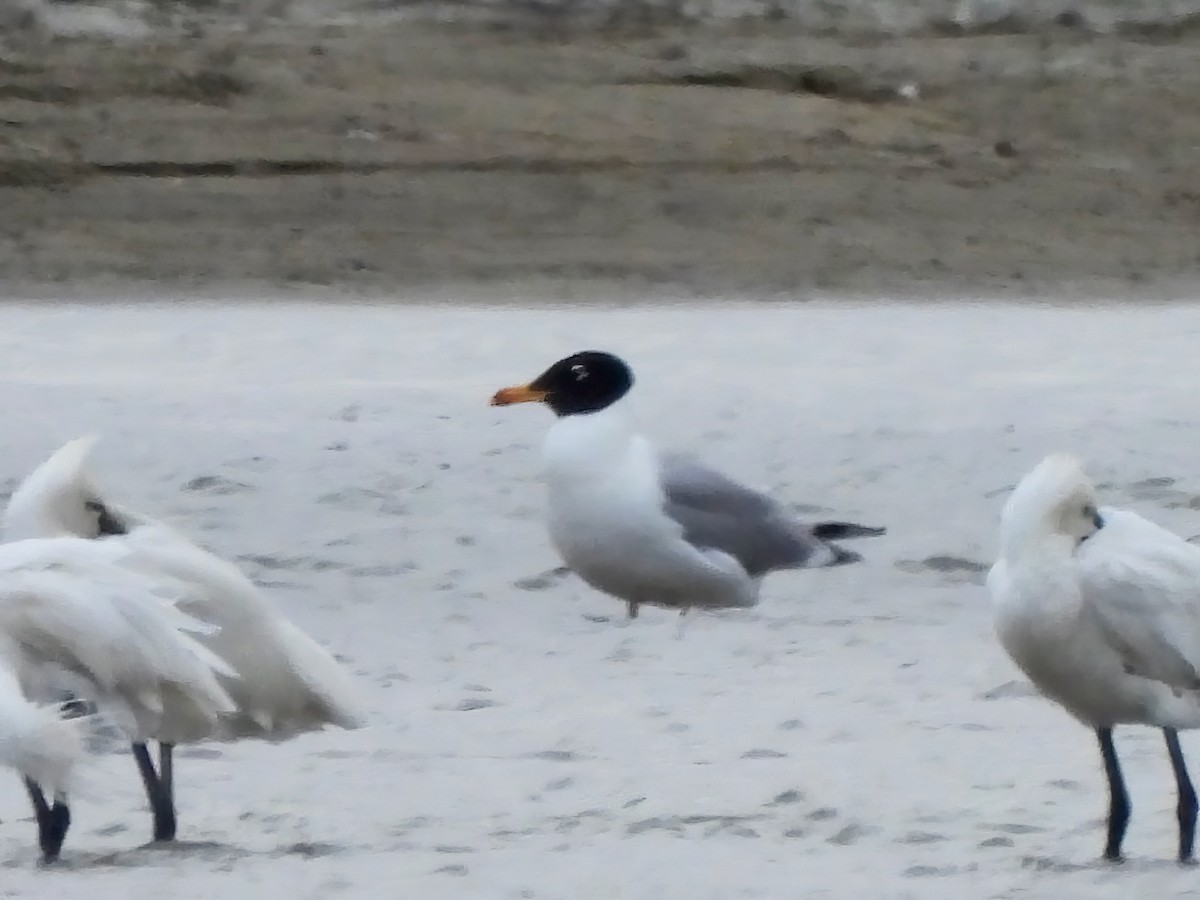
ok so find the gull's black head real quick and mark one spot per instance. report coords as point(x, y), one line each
point(584, 382)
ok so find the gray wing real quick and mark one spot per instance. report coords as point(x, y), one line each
point(717, 512)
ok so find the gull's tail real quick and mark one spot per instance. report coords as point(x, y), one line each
point(835, 531)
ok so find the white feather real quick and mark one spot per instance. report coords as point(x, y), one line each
point(1029, 517)
point(50, 501)
point(1144, 583)
point(285, 681)
point(112, 626)
point(63, 607)
point(1106, 624)
point(607, 518)
point(35, 739)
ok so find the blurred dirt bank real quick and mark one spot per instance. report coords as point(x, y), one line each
point(392, 154)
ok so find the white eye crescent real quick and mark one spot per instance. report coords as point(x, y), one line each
point(580, 372)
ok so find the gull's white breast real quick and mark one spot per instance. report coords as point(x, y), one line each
point(607, 520)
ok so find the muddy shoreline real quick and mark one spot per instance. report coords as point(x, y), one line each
point(386, 159)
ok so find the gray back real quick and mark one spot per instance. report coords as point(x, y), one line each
point(717, 512)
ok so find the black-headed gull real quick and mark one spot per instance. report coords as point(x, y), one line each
point(650, 529)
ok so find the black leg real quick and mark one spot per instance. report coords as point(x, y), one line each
point(161, 805)
point(166, 777)
point(1186, 810)
point(60, 823)
point(53, 821)
point(145, 765)
point(37, 798)
point(633, 608)
point(1118, 809)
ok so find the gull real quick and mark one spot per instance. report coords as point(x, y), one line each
point(651, 528)
point(1101, 609)
point(284, 683)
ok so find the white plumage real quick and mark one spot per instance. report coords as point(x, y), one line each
point(36, 739)
point(285, 682)
point(607, 518)
point(68, 606)
point(1101, 609)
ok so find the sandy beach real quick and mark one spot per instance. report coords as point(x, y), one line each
point(345, 224)
point(859, 733)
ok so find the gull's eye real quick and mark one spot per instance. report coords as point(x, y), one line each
point(580, 372)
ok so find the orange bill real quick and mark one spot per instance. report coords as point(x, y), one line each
point(521, 393)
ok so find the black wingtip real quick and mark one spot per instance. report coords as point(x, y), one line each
point(833, 531)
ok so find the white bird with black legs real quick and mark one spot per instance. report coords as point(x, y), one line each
point(1101, 609)
point(71, 614)
point(43, 743)
point(285, 683)
point(657, 529)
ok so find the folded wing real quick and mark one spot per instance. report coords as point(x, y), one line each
point(717, 512)
point(1142, 585)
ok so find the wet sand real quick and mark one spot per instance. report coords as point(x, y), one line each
point(858, 733)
